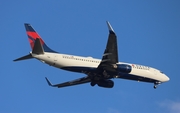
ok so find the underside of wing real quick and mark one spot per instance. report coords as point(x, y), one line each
point(70, 83)
point(110, 55)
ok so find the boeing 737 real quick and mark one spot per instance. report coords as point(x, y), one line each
point(98, 71)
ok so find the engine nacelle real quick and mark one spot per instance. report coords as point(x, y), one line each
point(124, 68)
point(106, 83)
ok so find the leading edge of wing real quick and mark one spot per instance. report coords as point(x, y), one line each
point(70, 83)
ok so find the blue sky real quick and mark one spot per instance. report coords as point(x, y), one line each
point(148, 33)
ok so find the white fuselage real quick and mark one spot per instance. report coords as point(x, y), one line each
point(65, 60)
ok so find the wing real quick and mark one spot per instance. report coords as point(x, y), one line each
point(70, 83)
point(110, 55)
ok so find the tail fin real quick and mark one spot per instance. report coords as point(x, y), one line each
point(33, 36)
point(36, 42)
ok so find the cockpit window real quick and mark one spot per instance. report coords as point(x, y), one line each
point(161, 72)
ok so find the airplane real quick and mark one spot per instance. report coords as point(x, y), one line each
point(98, 71)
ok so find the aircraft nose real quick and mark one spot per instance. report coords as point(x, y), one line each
point(166, 78)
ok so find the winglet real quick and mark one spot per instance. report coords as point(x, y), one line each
point(49, 83)
point(110, 27)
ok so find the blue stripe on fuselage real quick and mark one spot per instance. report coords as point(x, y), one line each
point(117, 74)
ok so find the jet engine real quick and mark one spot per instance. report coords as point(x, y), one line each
point(106, 83)
point(124, 68)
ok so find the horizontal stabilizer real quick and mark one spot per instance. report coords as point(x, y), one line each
point(29, 56)
point(38, 49)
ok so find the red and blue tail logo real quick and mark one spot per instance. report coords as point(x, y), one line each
point(33, 35)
